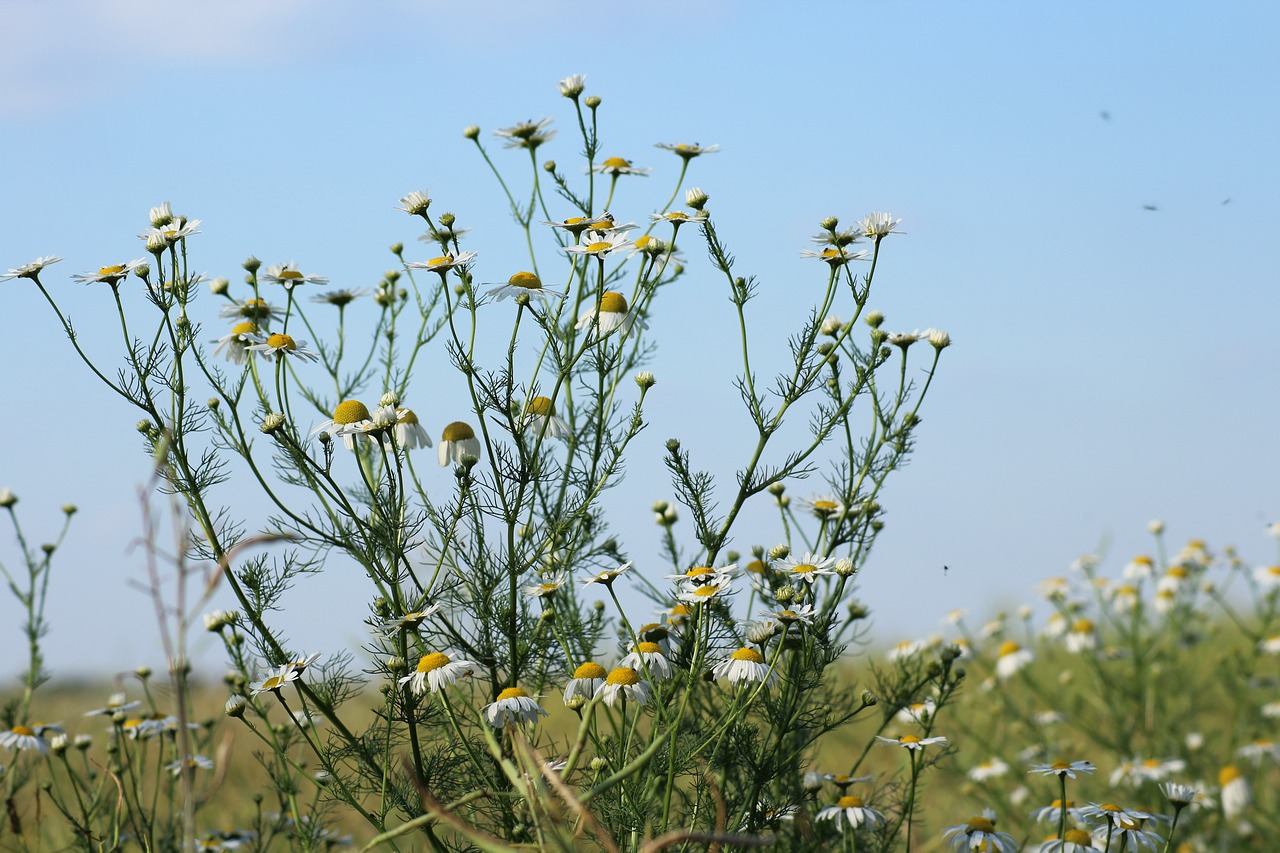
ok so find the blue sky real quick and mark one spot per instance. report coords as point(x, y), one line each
point(1112, 364)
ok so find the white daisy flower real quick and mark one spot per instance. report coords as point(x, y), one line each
point(686, 151)
point(1139, 568)
point(789, 615)
point(161, 214)
point(649, 659)
point(575, 225)
point(906, 649)
point(349, 419)
point(698, 575)
point(196, 762)
point(1074, 841)
point(256, 310)
point(613, 314)
point(1255, 751)
point(1011, 659)
point(340, 298)
point(912, 742)
point(745, 665)
point(1270, 644)
point(526, 283)
point(283, 675)
point(409, 431)
point(445, 262)
point(608, 576)
point(679, 217)
point(810, 568)
point(616, 166)
point(649, 246)
point(1052, 813)
point(1063, 768)
point(513, 705)
point(1176, 579)
point(415, 203)
point(605, 244)
point(851, 812)
point(1082, 637)
point(1237, 795)
point(409, 621)
point(572, 86)
point(992, 768)
point(31, 270)
point(694, 593)
point(289, 277)
point(23, 737)
point(111, 275)
point(171, 232)
point(284, 345)
point(836, 256)
point(437, 670)
point(115, 702)
point(540, 418)
point(917, 712)
point(1267, 577)
point(587, 679)
point(236, 345)
point(876, 226)
point(458, 440)
point(526, 134)
point(625, 683)
point(979, 833)
point(547, 586)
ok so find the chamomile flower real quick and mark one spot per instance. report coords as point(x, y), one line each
point(1270, 644)
point(1128, 835)
point(409, 431)
point(604, 244)
point(906, 650)
point(348, 420)
point(824, 507)
point(1179, 796)
point(1267, 577)
point(608, 576)
point(277, 680)
point(116, 702)
point(1074, 841)
point(698, 575)
point(678, 217)
point(687, 152)
point(842, 781)
point(284, 345)
point(1063, 768)
point(647, 245)
point(1139, 568)
point(613, 314)
point(575, 225)
point(416, 202)
point(409, 621)
point(458, 440)
point(235, 346)
point(912, 742)
point(810, 568)
point(1237, 795)
point(112, 275)
point(572, 86)
point(1052, 813)
point(526, 283)
point(1257, 750)
point(790, 615)
point(979, 833)
point(513, 705)
point(917, 712)
point(587, 679)
point(437, 670)
point(340, 298)
point(992, 768)
point(540, 419)
point(616, 166)
point(1011, 659)
point(31, 270)
point(22, 738)
point(648, 658)
point(694, 593)
point(195, 762)
point(876, 226)
point(527, 134)
point(163, 236)
point(1082, 636)
point(744, 666)
point(254, 310)
point(836, 256)
point(445, 262)
point(850, 811)
point(547, 586)
point(623, 682)
point(1176, 579)
point(289, 277)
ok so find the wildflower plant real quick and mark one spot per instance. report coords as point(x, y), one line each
point(699, 727)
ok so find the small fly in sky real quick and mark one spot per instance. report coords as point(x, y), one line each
point(1149, 207)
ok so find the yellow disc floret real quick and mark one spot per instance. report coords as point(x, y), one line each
point(748, 655)
point(849, 802)
point(613, 303)
point(285, 342)
point(541, 406)
point(525, 279)
point(512, 693)
point(350, 412)
point(458, 431)
point(289, 275)
point(24, 731)
point(435, 660)
point(590, 669)
point(981, 824)
point(1008, 647)
point(616, 163)
point(624, 676)
point(649, 649)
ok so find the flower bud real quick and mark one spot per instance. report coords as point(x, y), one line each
point(549, 166)
point(70, 509)
point(779, 552)
point(471, 131)
point(645, 380)
point(235, 706)
point(844, 567)
point(599, 764)
point(8, 498)
point(251, 264)
point(447, 220)
point(592, 102)
point(143, 672)
point(83, 742)
point(272, 423)
point(397, 249)
point(576, 702)
point(694, 197)
point(673, 445)
point(939, 339)
point(874, 319)
point(391, 398)
point(396, 665)
point(829, 224)
point(869, 698)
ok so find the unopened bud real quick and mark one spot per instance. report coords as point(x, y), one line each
point(471, 131)
point(219, 286)
point(251, 264)
point(875, 319)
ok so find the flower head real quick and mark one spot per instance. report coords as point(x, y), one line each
point(458, 441)
point(525, 283)
point(513, 705)
point(284, 345)
point(288, 276)
point(111, 275)
point(31, 270)
point(979, 833)
point(547, 586)
point(409, 431)
point(616, 166)
point(587, 679)
point(1063, 768)
point(912, 742)
point(836, 256)
point(527, 134)
point(810, 568)
point(1011, 659)
point(608, 576)
point(23, 737)
point(236, 344)
point(437, 670)
point(686, 151)
point(605, 243)
point(612, 314)
point(572, 86)
point(876, 226)
point(254, 310)
point(540, 419)
point(649, 659)
point(745, 665)
point(415, 203)
point(623, 682)
point(850, 811)
point(575, 225)
point(350, 418)
point(445, 262)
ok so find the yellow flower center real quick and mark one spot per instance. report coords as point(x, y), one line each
point(407, 417)
point(748, 655)
point(825, 506)
point(1008, 647)
point(706, 591)
point(981, 824)
point(114, 269)
point(1079, 837)
point(1274, 571)
point(1083, 626)
point(643, 242)
point(24, 731)
point(804, 568)
point(756, 567)
point(1151, 763)
point(278, 341)
point(1110, 807)
point(681, 610)
point(1196, 545)
point(590, 669)
point(526, 280)
point(649, 649)
point(613, 303)
point(289, 275)
point(540, 406)
point(350, 412)
point(1143, 560)
point(512, 693)
point(245, 328)
point(457, 431)
point(1177, 572)
point(831, 253)
point(273, 683)
point(678, 216)
point(1228, 774)
point(700, 572)
point(787, 615)
point(909, 739)
point(599, 246)
point(444, 261)
point(1057, 804)
point(616, 163)
point(577, 220)
point(623, 676)
point(849, 802)
point(435, 660)
point(1059, 766)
